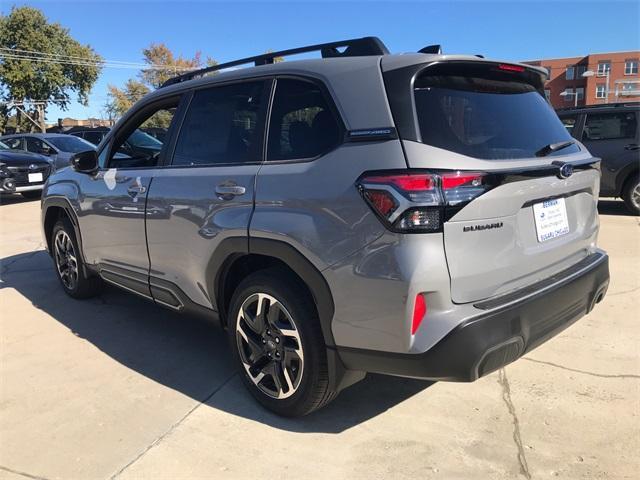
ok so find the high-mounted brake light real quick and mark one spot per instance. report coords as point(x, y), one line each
point(510, 68)
point(418, 201)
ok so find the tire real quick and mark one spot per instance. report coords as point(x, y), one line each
point(68, 262)
point(285, 341)
point(631, 194)
point(32, 194)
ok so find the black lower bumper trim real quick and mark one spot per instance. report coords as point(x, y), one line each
point(496, 337)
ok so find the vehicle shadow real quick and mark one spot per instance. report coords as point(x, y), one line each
point(186, 354)
point(613, 206)
point(11, 198)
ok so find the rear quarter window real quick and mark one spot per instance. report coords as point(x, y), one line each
point(486, 115)
point(610, 126)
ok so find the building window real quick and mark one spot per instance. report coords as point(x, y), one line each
point(580, 93)
point(631, 67)
point(630, 89)
point(604, 68)
point(570, 73)
point(580, 69)
point(547, 95)
point(600, 91)
point(568, 95)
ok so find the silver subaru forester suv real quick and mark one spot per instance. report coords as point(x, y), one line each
point(421, 215)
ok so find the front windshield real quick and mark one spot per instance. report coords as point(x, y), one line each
point(69, 143)
point(140, 139)
point(4, 146)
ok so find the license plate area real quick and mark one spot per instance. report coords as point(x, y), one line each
point(551, 219)
point(35, 177)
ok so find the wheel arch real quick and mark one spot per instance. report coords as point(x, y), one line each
point(236, 257)
point(53, 208)
point(625, 175)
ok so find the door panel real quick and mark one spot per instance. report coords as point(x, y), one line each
point(113, 202)
point(206, 194)
point(187, 219)
point(111, 218)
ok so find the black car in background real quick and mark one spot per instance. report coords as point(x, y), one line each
point(92, 135)
point(141, 143)
point(22, 172)
point(611, 133)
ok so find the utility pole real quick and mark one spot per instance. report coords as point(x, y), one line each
point(39, 121)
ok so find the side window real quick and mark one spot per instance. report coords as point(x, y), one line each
point(569, 122)
point(132, 148)
point(220, 126)
point(14, 143)
point(610, 126)
point(93, 137)
point(302, 125)
point(36, 145)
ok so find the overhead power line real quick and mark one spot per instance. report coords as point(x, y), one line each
point(72, 60)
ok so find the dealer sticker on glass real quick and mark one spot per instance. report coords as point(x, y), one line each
point(551, 219)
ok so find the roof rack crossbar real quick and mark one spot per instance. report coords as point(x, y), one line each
point(355, 47)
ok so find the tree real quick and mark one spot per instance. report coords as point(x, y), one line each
point(40, 61)
point(163, 65)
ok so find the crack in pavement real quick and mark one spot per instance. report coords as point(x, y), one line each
point(517, 438)
point(22, 474)
point(5, 268)
point(622, 292)
point(593, 374)
point(173, 427)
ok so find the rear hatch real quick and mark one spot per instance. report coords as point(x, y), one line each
point(527, 215)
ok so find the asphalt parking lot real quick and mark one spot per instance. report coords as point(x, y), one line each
point(115, 387)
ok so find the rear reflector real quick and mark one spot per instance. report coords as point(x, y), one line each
point(419, 311)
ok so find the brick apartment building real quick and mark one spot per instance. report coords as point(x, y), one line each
point(566, 75)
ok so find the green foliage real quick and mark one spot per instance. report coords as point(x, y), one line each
point(26, 28)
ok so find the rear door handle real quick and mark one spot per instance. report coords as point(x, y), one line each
point(632, 146)
point(228, 191)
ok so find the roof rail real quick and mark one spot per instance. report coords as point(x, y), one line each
point(355, 47)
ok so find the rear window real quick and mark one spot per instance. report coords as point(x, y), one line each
point(486, 115)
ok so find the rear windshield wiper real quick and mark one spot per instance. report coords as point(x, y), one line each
point(553, 147)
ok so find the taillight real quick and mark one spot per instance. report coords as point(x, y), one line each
point(419, 201)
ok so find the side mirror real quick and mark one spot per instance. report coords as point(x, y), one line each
point(85, 162)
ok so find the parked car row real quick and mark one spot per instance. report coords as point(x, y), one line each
point(22, 172)
point(26, 159)
point(610, 132)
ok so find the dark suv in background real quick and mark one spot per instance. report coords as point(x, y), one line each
point(611, 133)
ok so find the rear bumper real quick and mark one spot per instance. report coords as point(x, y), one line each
point(507, 328)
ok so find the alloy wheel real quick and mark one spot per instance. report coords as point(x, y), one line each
point(635, 195)
point(66, 261)
point(269, 346)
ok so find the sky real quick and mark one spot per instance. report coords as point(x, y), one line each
point(507, 30)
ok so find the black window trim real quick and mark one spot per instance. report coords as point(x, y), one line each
point(260, 124)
